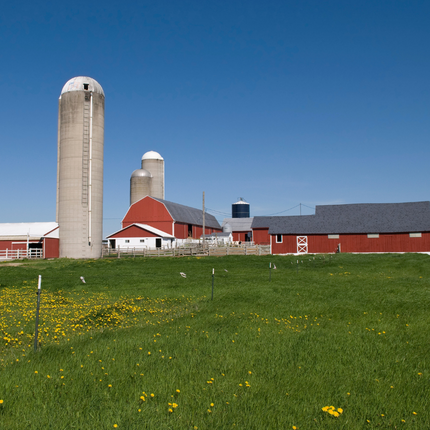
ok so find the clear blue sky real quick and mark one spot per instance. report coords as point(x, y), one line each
point(279, 102)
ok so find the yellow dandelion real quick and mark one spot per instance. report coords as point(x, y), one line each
point(178, 391)
point(340, 410)
point(414, 413)
point(170, 410)
point(115, 425)
point(212, 405)
point(1, 402)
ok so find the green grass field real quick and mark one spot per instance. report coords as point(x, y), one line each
point(140, 347)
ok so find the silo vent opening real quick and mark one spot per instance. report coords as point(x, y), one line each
point(86, 86)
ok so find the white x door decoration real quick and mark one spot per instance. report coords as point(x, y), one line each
point(302, 244)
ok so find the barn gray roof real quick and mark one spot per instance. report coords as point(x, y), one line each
point(238, 224)
point(353, 218)
point(188, 215)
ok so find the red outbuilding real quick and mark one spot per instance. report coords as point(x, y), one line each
point(31, 239)
point(372, 227)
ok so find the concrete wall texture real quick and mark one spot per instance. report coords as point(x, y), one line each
point(80, 169)
point(156, 167)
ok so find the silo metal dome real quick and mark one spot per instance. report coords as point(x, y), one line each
point(240, 209)
point(139, 173)
point(82, 83)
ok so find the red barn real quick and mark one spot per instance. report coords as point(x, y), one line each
point(180, 221)
point(372, 227)
point(32, 239)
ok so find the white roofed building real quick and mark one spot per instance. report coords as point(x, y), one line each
point(23, 239)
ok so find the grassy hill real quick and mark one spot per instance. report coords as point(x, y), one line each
point(320, 342)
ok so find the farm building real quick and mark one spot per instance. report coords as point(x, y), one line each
point(168, 220)
point(19, 240)
point(140, 236)
point(239, 227)
point(373, 227)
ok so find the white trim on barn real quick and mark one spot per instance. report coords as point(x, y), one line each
point(161, 239)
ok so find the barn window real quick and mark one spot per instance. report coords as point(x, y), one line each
point(333, 236)
point(373, 236)
point(142, 240)
point(279, 238)
point(127, 241)
point(86, 86)
point(415, 235)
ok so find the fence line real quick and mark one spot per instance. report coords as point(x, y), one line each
point(17, 254)
point(196, 251)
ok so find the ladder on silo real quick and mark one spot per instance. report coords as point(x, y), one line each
point(86, 150)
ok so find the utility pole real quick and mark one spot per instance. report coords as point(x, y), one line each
point(203, 221)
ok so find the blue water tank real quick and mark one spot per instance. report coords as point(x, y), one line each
point(240, 209)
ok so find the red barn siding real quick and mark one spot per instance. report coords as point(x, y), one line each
point(51, 247)
point(240, 236)
point(261, 236)
point(181, 231)
point(133, 231)
point(151, 212)
point(5, 244)
point(400, 242)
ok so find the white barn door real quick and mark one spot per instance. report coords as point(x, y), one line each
point(302, 244)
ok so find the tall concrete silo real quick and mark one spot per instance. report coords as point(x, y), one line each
point(140, 185)
point(153, 162)
point(80, 168)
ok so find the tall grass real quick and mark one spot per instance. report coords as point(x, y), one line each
point(140, 347)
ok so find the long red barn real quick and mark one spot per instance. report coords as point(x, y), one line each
point(370, 227)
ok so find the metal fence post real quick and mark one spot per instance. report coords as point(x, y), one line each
point(36, 332)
